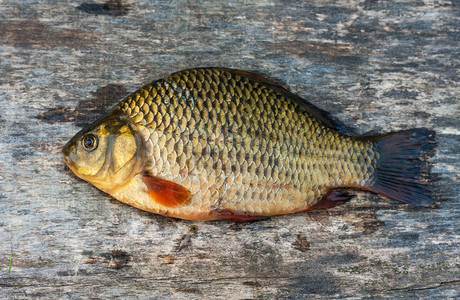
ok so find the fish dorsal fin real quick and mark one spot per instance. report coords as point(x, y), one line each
point(323, 117)
point(166, 192)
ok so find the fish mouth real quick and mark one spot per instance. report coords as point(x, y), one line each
point(66, 151)
point(68, 162)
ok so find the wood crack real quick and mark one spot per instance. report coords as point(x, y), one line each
point(434, 286)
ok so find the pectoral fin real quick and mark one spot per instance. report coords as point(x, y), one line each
point(166, 192)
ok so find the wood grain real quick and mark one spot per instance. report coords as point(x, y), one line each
point(376, 65)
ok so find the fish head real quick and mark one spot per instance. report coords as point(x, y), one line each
point(106, 154)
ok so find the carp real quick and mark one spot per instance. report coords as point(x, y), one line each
point(217, 143)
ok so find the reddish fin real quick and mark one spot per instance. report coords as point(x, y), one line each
point(166, 192)
point(403, 172)
point(332, 198)
point(228, 214)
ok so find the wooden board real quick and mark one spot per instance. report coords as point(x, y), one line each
point(375, 65)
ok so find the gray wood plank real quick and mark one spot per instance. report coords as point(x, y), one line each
point(375, 65)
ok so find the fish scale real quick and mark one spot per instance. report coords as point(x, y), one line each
point(265, 127)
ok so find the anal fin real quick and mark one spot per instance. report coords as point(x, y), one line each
point(166, 192)
point(333, 198)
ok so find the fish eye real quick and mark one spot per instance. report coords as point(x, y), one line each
point(89, 142)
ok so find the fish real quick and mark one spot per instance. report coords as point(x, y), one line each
point(217, 143)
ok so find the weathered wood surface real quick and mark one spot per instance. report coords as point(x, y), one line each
point(377, 66)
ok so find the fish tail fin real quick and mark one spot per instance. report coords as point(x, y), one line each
point(402, 171)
